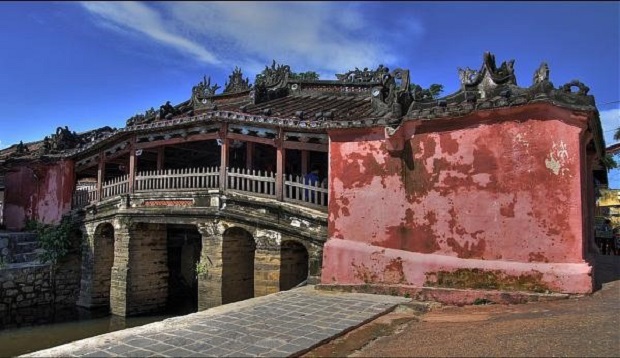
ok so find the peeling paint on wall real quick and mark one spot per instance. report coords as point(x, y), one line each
point(497, 191)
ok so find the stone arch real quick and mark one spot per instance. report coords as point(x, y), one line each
point(238, 252)
point(293, 264)
point(103, 259)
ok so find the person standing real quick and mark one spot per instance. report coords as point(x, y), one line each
point(312, 178)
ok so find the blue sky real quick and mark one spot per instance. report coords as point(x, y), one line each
point(91, 64)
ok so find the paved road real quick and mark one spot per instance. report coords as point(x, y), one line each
point(577, 327)
point(278, 325)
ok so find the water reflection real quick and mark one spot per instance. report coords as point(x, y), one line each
point(35, 328)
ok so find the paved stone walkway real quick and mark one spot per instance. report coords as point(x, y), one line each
point(279, 325)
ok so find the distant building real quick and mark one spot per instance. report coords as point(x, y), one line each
point(491, 187)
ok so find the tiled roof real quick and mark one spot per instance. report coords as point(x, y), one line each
point(312, 107)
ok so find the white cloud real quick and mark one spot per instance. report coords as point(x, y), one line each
point(326, 37)
point(147, 21)
point(610, 121)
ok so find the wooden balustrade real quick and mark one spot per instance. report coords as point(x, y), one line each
point(115, 186)
point(84, 195)
point(297, 190)
point(257, 182)
point(178, 179)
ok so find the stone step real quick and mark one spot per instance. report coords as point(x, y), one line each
point(25, 247)
point(31, 256)
point(18, 237)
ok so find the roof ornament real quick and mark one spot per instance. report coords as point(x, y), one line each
point(202, 91)
point(393, 93)
point(364, 76)
point(148, 116)
point(542, 74)
point(271, 83)
point(236, 83)
point(583, 89)
point(274, 75)
point(467, 76)
point(21, 148)
point(167, 111)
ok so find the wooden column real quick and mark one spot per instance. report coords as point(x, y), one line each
point(160, 158)
point(100, 175)
point(132, 164)
point(224, 155)
point(280, 160)
point(249, 155)
point(304, 162)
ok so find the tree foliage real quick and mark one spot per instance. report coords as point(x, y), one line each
point(609, 162)
point(420, 93)
point(55, 240)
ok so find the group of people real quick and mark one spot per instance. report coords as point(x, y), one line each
point(608, 239)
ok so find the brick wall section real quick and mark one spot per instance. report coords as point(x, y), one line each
point(102, 265)
point(24, 287)
point(210, 284)
point(267, 262)
point(118, 279)
point(67, 280)
point(147, 286)
point(237, 265)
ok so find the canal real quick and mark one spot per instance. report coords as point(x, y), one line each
point(64, 325)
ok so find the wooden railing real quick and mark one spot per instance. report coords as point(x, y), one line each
point(257, 182)
point(116, 186)
point(260, 183)
point(85, 195)
point(299, 190)
point(178, 179)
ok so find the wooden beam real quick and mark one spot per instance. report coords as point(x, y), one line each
point(190, 138)
point(316, 147)
point(249, 138)
point(115, 155)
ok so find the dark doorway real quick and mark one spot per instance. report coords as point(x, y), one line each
point(184, 246)
point(293, 264)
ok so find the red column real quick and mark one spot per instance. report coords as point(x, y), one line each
point(160, 158)
point(280, 159)
point(304, 162)
point(224, 156)
point(249, 155)
point(100, 175)
point(132, 164)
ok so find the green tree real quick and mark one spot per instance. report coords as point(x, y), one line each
point(609, 162)
point(419, 93)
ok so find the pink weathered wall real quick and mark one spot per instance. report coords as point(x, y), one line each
point(498, 191)
point(39, 192)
